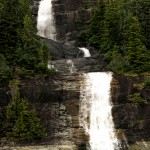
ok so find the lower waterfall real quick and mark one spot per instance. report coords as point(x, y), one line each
point(95, 111)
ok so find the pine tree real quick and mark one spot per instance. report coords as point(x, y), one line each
point(96, 24)
point(120, 30)
point(135, 51)
point(28, 47)
point(19, 43)
point(141, 9)
point(22, 121)
point(8, 26)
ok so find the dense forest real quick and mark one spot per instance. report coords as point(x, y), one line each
point(21, 53)
point(21, 56)
point(120, 29)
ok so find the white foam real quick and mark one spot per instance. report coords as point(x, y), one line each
point(85, 51)
point(45, 20)
point(95, 111)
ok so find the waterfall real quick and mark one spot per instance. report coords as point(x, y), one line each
point(45, 20)
point(95, 111)
point(85, 51)
point(71, 66)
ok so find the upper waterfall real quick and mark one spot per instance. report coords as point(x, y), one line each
point(95, 111)
point(45, 20)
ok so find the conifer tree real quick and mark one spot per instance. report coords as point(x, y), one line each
point(22, 121)
point(136, 54)
point(18, 40)
point(141, 9)
point(120, 30)
point(96, 24)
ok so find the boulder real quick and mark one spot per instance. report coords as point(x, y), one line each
point(61, 51)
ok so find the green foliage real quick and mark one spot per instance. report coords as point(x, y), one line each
point(96, 25)
point(41, 68)
point(82, 37)
point(147, 83)
point(136, 53)
point(136, 98)
point(5, 72)
point(120, 30)
point(19, 43)
point(22, 122)
point(22, 73)
point(44, 54)
point(141, 9)
point(117, 63)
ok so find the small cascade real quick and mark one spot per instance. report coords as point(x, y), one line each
point(45, 20)
point(71, 66)
point(95, 111)
point(85, 51)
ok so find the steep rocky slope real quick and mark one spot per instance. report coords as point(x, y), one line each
point(66, 14)
point(57, 102)
point(56, 99)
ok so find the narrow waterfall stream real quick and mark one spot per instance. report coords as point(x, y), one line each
point(45, 20)
point(95, 111)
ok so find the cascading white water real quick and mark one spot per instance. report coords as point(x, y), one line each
point(71, 66)
point(95, 111)
point(85, 51)
point(45, 20)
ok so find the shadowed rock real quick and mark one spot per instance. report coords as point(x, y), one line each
point(60, 51)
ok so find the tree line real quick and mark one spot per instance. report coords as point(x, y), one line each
point(120, 29)
point(22, 54)
point(20, 49)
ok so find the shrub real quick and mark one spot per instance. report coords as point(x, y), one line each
point(22, 73)
point(41, 68)
point(82, 37)
point(147, 83)
point(136, 98)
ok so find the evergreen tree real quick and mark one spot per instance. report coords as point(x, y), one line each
point(28, 46)
point(120, 30)
point(8, 26)
point(19, 43)
point(136, 54)
point(96, 24)
point(22, 122)
point(141, 9)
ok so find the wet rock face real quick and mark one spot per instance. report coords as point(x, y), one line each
point(60, 51)
point(66, 14)
point(57, 104)
point(133, 118)
point(78, 65)
point(57, 101)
